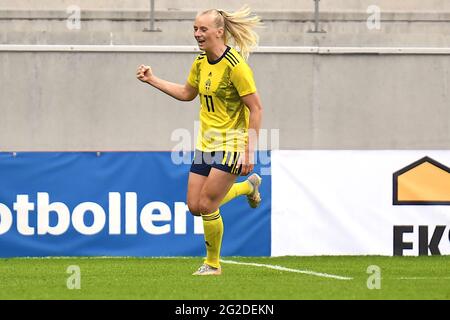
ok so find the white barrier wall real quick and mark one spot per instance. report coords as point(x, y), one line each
point(328, 5)
point(342, 203)
point(363, 100)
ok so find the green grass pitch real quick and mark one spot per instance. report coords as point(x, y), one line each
point(171, 279)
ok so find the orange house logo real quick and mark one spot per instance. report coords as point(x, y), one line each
point(424, 182)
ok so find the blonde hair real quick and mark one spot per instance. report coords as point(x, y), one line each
point(238, 25)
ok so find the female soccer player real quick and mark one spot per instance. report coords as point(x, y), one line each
point(230, 118)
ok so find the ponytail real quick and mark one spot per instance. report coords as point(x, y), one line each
point(238, 25)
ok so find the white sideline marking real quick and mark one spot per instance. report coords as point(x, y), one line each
point(313, 273)
point(423, 278)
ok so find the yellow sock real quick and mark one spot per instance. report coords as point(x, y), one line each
point(213, 227)
point(236, 190)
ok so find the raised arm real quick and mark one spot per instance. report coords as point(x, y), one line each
point(180, 92)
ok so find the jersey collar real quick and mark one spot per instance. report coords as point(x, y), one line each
point(221, 57)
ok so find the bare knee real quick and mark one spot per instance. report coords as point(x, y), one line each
point(206, 205)
point(194, 208)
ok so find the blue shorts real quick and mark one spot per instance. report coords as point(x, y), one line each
point(222, 160)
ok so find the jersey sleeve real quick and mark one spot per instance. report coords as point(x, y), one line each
point(193, 75)
point(242, 79)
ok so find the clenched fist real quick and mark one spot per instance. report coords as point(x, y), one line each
point(144, 73)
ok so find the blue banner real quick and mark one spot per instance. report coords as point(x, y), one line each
point(115, 204)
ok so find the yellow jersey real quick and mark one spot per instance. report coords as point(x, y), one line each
point(224, 118)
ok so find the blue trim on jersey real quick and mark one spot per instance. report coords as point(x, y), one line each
point(221, 57)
